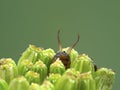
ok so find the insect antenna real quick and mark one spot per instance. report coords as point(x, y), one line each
point(69, 50)
point(59, 42)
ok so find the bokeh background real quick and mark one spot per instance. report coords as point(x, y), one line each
point(24, 22)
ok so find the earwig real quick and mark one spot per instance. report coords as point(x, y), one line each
point(64, 55)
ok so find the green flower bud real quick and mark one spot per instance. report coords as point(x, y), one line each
point(57, 67)
point(33, 77)
point(53, 78)
point(24, 67)
point(8, 69)
point(31, 53)
point(86, 82)
point(72, 71)
point(19, 83)
point(47, 85)
point(40, 68)
point(67, 81)
point(47, 56)
point(3, 84)
point(83, 64)
point(34, 86)
point(104, 79)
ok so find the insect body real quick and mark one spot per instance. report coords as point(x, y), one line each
point(64, 55)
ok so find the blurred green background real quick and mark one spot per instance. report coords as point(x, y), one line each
point(24, 22)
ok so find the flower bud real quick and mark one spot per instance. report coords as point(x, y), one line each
point(41, 69)
point(86, 82)
point(83, 64)
point(33, 77)
point(104, 79)
point(67, 81)
point(47, 85)
point(3, 84)
point(57, 67)
point(8, 69)
point(72, 71)
point(24, 67)
point(31, 53)
point(53, 78)
point(34, 86)
point(47, 56)
point(19, 83)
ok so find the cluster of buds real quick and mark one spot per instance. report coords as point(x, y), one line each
point(36, 70)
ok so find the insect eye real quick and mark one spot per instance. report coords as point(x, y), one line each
point(64, 52)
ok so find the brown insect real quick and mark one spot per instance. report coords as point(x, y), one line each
point(64, 55)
